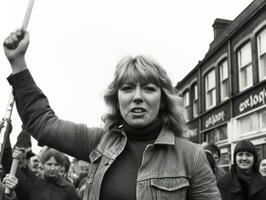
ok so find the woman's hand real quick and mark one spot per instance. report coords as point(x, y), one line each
point(10, 181)
point(15, 47)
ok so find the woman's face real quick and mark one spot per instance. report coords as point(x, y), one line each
point(263, 167)
point(139, 104)
point(244, 160)
point(51, 168)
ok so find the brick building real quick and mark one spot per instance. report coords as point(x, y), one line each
point(225, 94)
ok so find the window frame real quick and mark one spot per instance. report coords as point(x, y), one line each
point(195, 100)
point(210, 91)
point(224, 80)
point(186, 98)
point(243, 69)
point(261, 55)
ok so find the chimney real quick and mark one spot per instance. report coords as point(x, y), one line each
point(219, 26)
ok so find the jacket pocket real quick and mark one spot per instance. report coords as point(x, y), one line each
point(170, 188)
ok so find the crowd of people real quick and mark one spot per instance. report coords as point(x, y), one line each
point(47, 175)
point(141, 152)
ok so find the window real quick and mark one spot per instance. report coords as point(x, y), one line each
point(210, 89)
point(245, 67)
point(195, 100)
point(263, 120)
point(261, 150)
point(253, 123)
point(261, 41)
point(186, 105)
point(225, 159)
point(249, 124)
point(216, 135)
point(224, 82)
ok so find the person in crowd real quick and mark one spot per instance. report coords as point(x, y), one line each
point(82, 186)
point(34, 163)
point(140, 153)
point(49, 187)
point(81, 169)
point(7, 150)
point(211, 160)
point(64, 170)
point(9, 182)
point(71, 172)
point(243, 181)
point(216, 152)
point(263, 167)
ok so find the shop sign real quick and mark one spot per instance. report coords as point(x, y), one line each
point(216, 117)
point(250, 101)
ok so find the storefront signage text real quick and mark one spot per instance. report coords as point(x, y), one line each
point(215, 118)
point(252, 101)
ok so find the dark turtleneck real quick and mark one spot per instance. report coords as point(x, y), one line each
point(244, 178)
point(121, 178)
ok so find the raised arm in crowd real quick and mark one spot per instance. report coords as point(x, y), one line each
point(140, 153)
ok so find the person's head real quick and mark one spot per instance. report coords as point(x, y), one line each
point(65, 167)
point(245, 156)
point(263, 167)
point(80, 167)
point(215, 150)
point(52, 160)
point(141, 92)
point(34, 163)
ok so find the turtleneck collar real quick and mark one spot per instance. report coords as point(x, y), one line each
point(149, 132)
point(244, 175)
point(51, 179)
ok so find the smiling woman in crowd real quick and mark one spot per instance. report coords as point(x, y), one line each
point(243, 181)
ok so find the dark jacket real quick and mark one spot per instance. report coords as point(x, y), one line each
point(230, 188)
point(219, 172)
point(172, 167)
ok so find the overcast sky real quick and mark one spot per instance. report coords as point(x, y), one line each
point(76, 44)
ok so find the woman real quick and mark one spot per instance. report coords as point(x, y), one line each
point(140, 154)
point(243, 181)
point(263, 167)
point(49, 187)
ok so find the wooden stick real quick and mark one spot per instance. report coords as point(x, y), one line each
point(27, 15)
point(3, 133)
point(25, 23)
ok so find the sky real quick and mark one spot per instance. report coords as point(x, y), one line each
point(75, 46)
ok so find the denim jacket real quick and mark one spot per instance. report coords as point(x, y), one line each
point(172, 167)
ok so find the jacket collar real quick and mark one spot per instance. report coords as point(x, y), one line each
point(165, 137)
point(114, 141)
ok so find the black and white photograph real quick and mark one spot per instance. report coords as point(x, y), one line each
point(133, 100)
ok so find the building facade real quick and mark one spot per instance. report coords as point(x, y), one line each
point(225, 94)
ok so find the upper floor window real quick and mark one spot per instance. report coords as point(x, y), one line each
point(261, 41)
point(186, 105)
point(224, 81)
point(245, 67)
point(210, 93)
point(195, 100)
